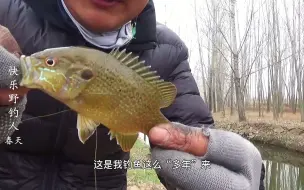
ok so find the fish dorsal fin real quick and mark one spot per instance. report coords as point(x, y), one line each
point(167, 89)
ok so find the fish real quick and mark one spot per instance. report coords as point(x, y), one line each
point(116, 89)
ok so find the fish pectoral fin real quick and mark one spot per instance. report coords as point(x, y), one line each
point(126, 141)
point(86, 127)
point(75, 86)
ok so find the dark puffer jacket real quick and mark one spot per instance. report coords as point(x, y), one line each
point(51, 156)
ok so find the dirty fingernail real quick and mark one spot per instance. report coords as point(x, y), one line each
point(158, 135)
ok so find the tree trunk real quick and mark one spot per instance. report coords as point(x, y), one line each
point(237, 79)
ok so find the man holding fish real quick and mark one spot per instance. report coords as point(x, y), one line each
point(99, 72)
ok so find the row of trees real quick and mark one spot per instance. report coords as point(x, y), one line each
point(250, 55)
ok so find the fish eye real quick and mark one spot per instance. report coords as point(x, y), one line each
point(50, 62)
point(87, 74)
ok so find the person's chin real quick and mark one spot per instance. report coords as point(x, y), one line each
point(108, 24)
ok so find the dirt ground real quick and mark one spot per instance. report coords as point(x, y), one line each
point(287, 131)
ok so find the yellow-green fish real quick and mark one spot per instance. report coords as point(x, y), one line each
point(116, 89)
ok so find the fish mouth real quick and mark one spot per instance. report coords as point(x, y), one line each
point(24, 66)
point(28, 72)
point(24, 70)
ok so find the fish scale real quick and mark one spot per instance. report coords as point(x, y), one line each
point(128, 102)
point(116, 89)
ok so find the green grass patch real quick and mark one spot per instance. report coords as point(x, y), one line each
point(140, 153)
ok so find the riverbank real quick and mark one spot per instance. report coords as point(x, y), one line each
point(286, 132)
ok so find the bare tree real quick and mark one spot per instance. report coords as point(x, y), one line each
point(253, 61)
point(237, 80)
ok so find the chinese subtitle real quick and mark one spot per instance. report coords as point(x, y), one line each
point(125, 164)
point(147, 164)
point(13, 112)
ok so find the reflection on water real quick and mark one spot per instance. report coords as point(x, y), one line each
point(284, 169)
point(283, 176)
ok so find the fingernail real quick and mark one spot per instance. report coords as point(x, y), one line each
point(158, 135)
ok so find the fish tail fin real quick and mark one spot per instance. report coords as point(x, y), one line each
point(86, 127)
point(126, 141)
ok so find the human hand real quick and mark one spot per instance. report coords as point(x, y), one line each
point(193, 158)
point(4, 95)
point(179, 143)
point(180, 137)
point(9, 54)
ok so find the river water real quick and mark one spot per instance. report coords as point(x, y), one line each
point(284, 168)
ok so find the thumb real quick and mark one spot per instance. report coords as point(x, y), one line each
point(179, 137)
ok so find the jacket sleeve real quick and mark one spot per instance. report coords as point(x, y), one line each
point(188, 107)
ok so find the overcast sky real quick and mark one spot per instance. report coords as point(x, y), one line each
point(179, 15)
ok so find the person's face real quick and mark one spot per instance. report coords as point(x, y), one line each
point(105, 15)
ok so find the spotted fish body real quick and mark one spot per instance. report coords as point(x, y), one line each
point(115, 89)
